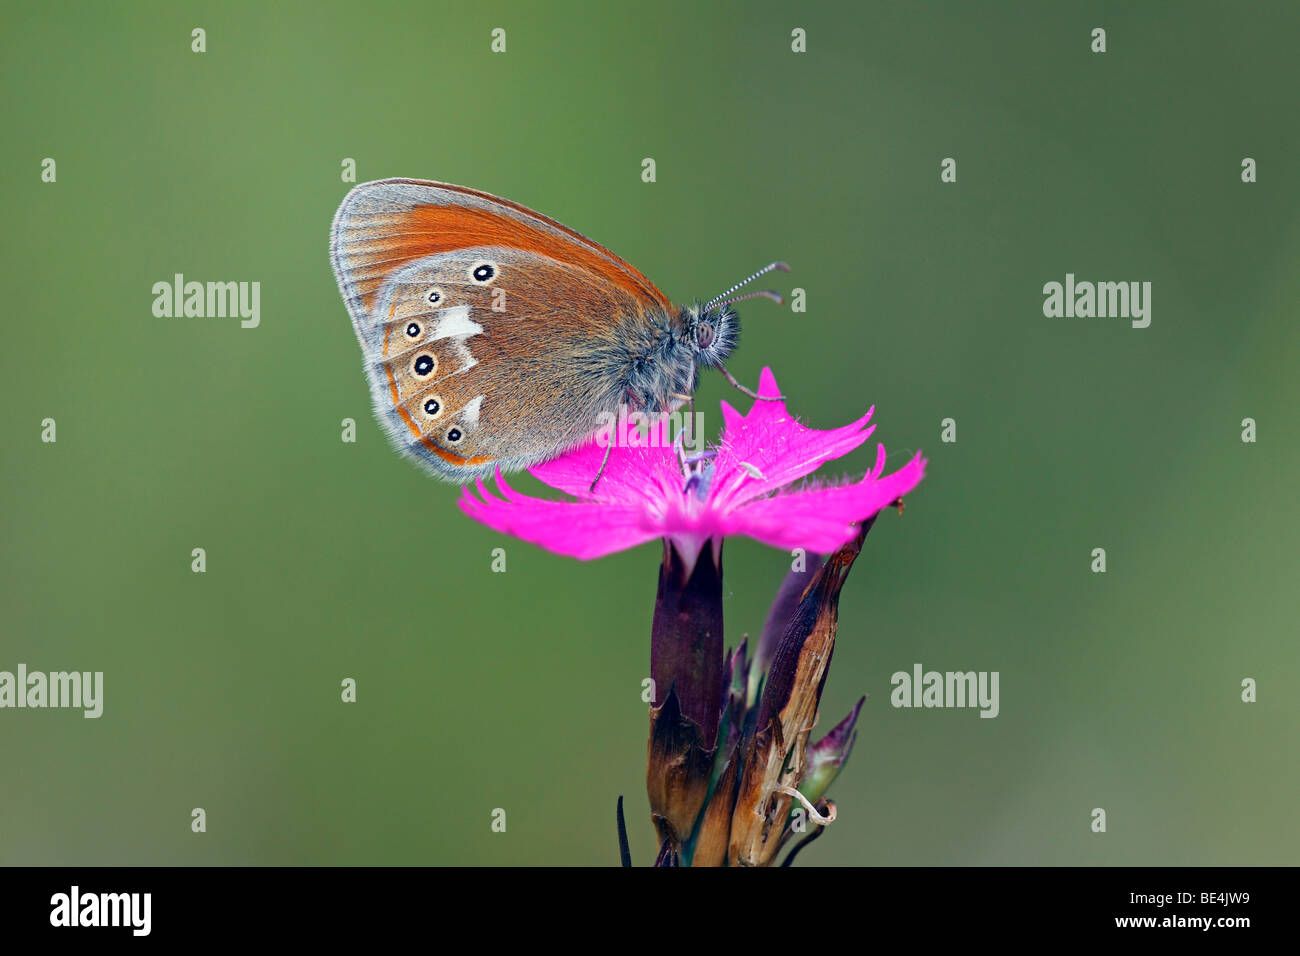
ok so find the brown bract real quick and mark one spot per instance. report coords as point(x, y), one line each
point(775, 754)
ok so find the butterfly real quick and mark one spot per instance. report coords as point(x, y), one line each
point(494, 337)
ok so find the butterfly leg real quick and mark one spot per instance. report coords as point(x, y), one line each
point(603, 462)
point(688, 426)
point(750, 392)
point(632, 403)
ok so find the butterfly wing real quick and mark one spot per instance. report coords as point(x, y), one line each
point(491, 334)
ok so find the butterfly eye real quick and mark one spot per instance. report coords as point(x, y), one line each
point(432, 407)
point(703, 335)
point(454, 435)
point(435, 296)
point(424, 365)
point(483, 272)
point(413, 330)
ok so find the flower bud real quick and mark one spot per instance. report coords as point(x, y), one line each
point(686, 665)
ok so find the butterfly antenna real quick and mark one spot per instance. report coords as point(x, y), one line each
point(761, 272)
point(764, 294)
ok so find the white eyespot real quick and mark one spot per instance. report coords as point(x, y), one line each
point(432, 406)
point(434, 295)
point(483, 272)
point(424, 365)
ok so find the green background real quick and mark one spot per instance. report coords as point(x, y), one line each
point(522, 690)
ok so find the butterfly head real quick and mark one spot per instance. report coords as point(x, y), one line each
point(714, 327)
point(712, 332)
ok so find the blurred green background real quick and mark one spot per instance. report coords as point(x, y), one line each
point(522, 690)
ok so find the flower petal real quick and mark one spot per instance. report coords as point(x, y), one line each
point(744, 488)
point(767, 449)
point(821, 519)
point(631, 474)
point(580, 530)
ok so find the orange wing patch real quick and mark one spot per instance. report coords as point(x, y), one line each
point(430, 229)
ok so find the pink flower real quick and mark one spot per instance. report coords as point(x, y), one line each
point(745, 488)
